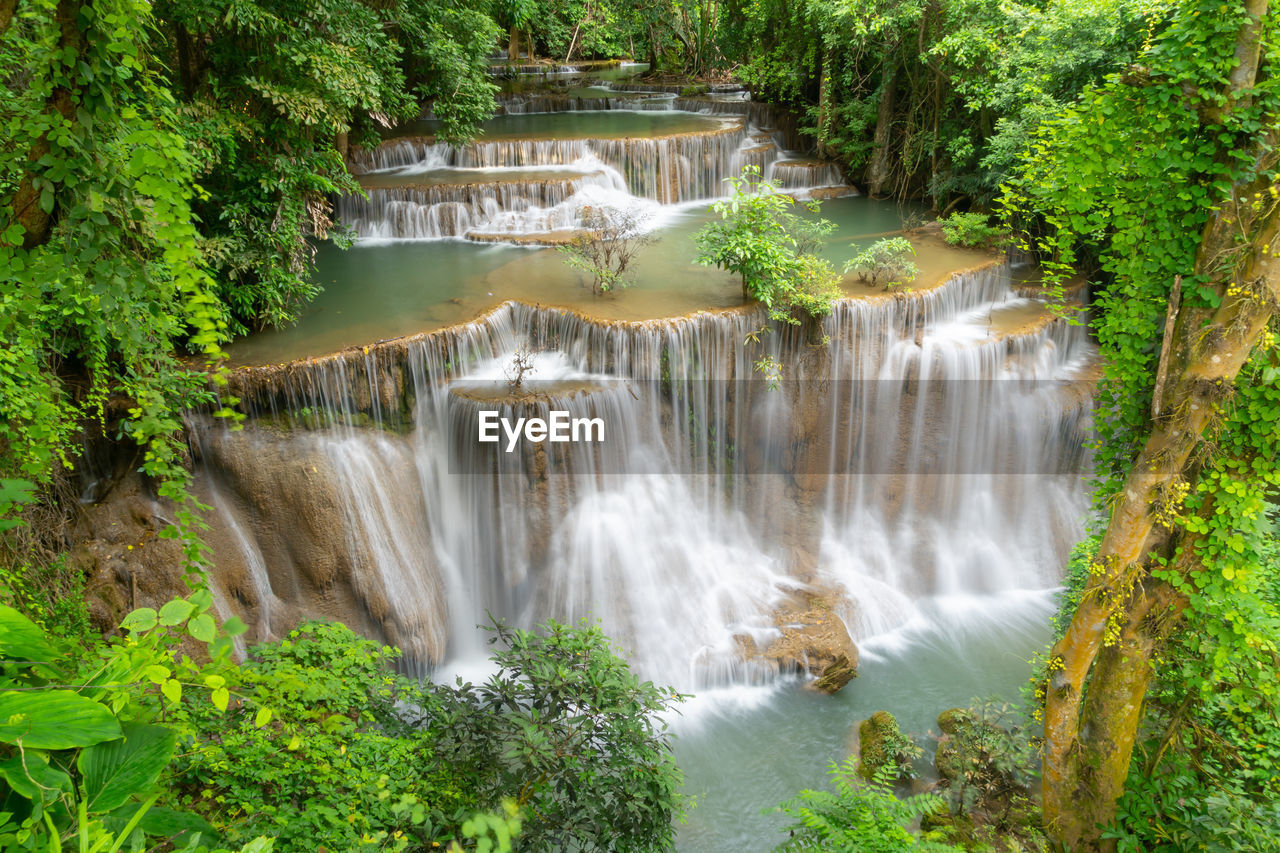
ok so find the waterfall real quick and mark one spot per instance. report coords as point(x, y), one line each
point(418, 188)
point(485, 206)
point(916, 460)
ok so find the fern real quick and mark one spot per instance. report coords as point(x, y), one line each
point(858, 817)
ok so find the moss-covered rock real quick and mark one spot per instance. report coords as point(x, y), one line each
point(949, 722)
point(837, 674)
point(881, 743)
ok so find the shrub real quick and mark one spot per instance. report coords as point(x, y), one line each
point(969, 229)
point(567, 730)
point(885, 261)
point(612, 239)
point(337, 763)
point(1181, 808)
point(85, 737)
point(354, 756)
point(772, 249)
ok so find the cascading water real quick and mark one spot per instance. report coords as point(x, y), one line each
point(419, 188)
point(907, 461)
point(917, 471)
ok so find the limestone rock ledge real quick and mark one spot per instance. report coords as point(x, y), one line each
point(812, 639)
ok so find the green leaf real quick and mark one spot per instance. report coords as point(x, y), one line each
point(31, 776)
point(202, 599)
point(171, 823)
point(22, 639)
point(176, 612)
point(220, 698)
point(203, 628)
point(142, 619)
point(172, 690)
point(56, 719)
point(262, 717)
point(113, 772)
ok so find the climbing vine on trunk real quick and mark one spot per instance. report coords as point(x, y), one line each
point(1166, 177)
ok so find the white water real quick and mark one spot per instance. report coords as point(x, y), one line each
point(629, 173)
point(711, 498)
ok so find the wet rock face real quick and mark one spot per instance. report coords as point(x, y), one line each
point(125, 562)
point(280, 550)
point(812, 639)
point(285, 547)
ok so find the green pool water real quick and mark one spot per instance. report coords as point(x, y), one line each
point(376, 291)
point(747, 750)
point(581, 124)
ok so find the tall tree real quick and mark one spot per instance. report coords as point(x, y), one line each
point(1167, 175)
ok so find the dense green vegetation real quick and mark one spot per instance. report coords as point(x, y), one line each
point(315, 742)
point(168, 168)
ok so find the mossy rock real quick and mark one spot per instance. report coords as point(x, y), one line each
point(694, 90)
point(959, 748)
point(837, 674)
point(878, 739)
point(950, 722)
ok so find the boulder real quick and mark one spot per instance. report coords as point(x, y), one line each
point(879, 744)
point(811, 639)
point(837, 674)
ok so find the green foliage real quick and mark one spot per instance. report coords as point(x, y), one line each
point(14, 494)
point(84, 742)
point(859, 817)
point(968, 82)
point(1123, 182)
point(52, 596)
point(1206, 773)
point(1175, 810)
point(561, 746)
point(565, 729)
point(266, 124)
point(885, 262)
point(106, 273)
point(772, 249)
point(323, 754)
point(988, 761)
point(970, 230)
point(168, 165)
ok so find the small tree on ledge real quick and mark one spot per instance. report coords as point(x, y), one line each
point(771, 248)
point(886, 261)
point(612, 237)
point(521, 363)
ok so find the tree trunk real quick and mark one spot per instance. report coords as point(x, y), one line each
point(7, 8)
point(37, 221)
point(878, 170)
point(1089, 733)
point(513, 43)
point(186, 75)
point(824, 103)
